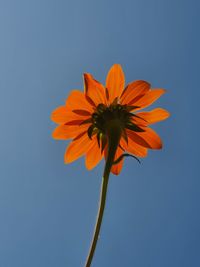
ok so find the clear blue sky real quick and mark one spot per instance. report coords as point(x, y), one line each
point(48, 209)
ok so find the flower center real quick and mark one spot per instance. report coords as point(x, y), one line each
point(104, 115)
point(116, 115)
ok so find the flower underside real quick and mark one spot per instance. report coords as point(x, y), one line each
point(104, 115)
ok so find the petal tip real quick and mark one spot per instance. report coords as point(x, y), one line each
point(168, 114)
point(86, 75)
point(116, 67)
point(53, 135)
point(163, 91)
point(116, 172)
point(67, 160)
point(159, 145)
point(89, 168)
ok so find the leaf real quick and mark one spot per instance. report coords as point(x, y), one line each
point(123, 156)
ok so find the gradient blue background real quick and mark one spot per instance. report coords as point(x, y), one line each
point(48, 209)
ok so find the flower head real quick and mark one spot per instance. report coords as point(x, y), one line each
point(87, 116)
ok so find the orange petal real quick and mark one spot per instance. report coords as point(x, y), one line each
point(81, 112)
point(115, 82)
point(74, 122)
point(62, 115)
point(78, 148)
point(139, 121)
point(155, 115)
point(93, 156)
point(149, 138)
point(134, 90)
point(63, 132)
point(137, 139)
point(116, 169)
point(94, 89)
point(133, 148)
point(149, 98)
point(77, 100)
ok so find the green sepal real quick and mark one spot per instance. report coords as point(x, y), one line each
point(115, 101)
point(101, 108)
point(124, 135)
point(98, 139)
point(90, 131)
point(130, 108)
point(134, 115)
point(86, 121)
point(134, 127)
point(103, 143)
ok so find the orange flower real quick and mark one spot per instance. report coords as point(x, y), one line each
point(104, 121)
point(87, 115)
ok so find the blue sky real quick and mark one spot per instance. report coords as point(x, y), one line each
point(48, 209)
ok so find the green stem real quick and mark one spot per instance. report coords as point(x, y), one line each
point(114, 134)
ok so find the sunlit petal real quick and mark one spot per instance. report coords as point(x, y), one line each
point(155, 115)
point(115, 82)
